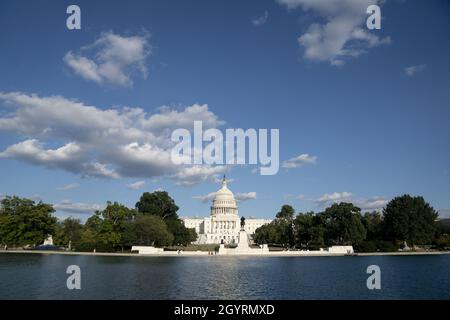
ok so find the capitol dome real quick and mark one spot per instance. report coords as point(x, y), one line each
point(224, 202)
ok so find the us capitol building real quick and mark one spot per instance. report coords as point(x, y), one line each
point(223, 224)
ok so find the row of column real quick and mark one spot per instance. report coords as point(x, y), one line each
point(224, 210)
point(224, 225)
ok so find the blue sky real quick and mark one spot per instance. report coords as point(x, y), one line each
point(370, 106)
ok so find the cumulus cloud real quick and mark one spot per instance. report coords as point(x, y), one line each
point(412, 70)
point(369, 204)
point(245, 196)
point(238, 196)
point(69, 187)
point(299, 161)
point(199, 173)
point(259, 21)
point(103, 143)
point(71, 207)
point(136, 185)
point(330, 198)
point(374, 203)
point(68, 156)
point(340, 34)
point(205, 198)
point(111, 59)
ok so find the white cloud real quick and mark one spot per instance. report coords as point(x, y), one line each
point(35, 198)
point(168, 119)
point(412, 70)
point(238, 196)
point(103, 143)
point(136, 185)
point(375, 203)
point(218, 179)
point(259, 21)
point(69, 156)
point(112, 59)
point(69, 187)
point(343, 33)
point(195, 174)
point(369, 204)
point(99, 170)
point(444, 213)
point(330, 198)
point(245, 196)
point(299, 161)
point(206, 198)
point(70, 207)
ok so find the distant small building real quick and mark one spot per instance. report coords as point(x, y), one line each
point(146, 250)
point(341, 249)
point(223, 224)
point(48, 241)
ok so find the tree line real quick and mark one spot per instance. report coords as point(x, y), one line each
point(405, 221)
point(153, 221)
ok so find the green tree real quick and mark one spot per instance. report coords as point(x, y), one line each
point(372, 224)
point(303, 225)
point(160, 204)
point(106, 227)
point(277, 233)
point(25, 222)
point(266, 234)
point(317, 237)
point(68, 231)
point(94, 222)
point(280, 231)
point(181, 235)
point(343, 224)
point(309, 230)
point(286, 212)
point(374, 240)
point(147, 230)
point(88, 240)
point(286, 226)
point(157, 203)
point(409, 219)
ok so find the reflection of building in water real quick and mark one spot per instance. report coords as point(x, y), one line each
point(224, 222)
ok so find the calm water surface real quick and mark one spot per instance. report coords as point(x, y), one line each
point(40, 276)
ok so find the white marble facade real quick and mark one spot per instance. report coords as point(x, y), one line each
point(224, 223)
